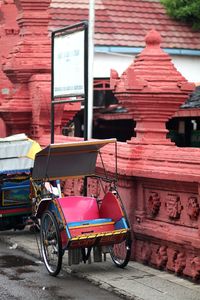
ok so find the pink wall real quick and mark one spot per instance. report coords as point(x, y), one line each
point(159, 182)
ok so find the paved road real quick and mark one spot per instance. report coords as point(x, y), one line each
point(136, 282)
point(23, 277)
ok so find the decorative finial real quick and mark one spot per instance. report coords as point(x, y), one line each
point(153, 38)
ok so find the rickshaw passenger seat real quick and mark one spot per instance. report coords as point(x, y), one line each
point(82, 211)
point(79, 208)
point(82, 216)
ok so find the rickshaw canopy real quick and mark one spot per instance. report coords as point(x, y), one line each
point(73, 159)
point(17, 153)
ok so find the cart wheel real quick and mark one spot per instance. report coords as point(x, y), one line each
point(51, 246)
point(120, 253)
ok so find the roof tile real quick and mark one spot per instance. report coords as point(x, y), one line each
point(125, 22)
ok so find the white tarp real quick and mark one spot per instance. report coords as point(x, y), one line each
point(17, 153)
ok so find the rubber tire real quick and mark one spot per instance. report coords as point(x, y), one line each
point(52, 272)
point(122, 263)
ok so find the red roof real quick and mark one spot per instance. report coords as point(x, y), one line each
point(126, 22)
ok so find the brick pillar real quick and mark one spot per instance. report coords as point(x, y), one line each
point(9, 35)
point(27, 66)
point(32, 53)
point(29, 57)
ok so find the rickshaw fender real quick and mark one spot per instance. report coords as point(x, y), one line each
point(43, 205)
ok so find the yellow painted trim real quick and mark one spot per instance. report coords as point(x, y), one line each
point(90, 236)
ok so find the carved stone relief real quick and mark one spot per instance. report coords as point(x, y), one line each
point(168, 258)
point(193, 208)
point(93, 188)
point(153, 204)
point(146, 252)
point(72, 187)
point(180, 263)
point(161, 259)
point(173, 206)
point(195, 267)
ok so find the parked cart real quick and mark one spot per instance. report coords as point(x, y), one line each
point(17, 154)
point(86, 227)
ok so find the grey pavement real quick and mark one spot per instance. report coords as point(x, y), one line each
point(136, 281)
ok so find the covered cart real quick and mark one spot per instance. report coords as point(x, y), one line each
point(81, 225)
point(17, 154)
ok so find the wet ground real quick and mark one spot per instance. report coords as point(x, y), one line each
point(23, 277)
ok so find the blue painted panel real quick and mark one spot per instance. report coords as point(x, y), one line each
point(89, 222)
point(121, 224)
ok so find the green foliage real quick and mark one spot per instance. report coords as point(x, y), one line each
point(184, 10)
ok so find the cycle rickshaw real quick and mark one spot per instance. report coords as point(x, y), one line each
point(81, 225)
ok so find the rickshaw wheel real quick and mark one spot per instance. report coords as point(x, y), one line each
point(120, 253)
point(51, 245)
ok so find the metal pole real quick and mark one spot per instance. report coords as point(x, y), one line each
point(52, 87)
point(90, 66)
point(85, 133)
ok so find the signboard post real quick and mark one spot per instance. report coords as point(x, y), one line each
point(69, 71)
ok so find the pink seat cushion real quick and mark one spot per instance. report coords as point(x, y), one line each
point(79, 208)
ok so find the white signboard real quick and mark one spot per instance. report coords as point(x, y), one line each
point(68, 64)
